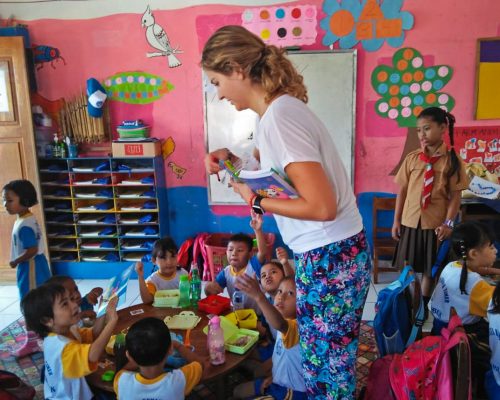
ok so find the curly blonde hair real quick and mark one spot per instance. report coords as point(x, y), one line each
point(232, 47)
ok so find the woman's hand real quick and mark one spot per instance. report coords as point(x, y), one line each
point(396, 230)
point(243, 190)
point(94, 295)
point(212, 160)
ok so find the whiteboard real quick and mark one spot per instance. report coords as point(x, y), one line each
point(330, 78)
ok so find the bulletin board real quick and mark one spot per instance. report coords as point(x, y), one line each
point(330, 78)
point(488, 78)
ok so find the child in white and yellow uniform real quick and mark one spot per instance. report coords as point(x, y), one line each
point(148, 344)
point(50, 312)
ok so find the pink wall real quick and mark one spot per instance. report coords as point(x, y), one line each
point(444, 32)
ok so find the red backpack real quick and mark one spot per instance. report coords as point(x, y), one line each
point(424, 370)
point(14, 388)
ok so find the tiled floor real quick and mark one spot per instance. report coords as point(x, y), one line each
point(10, 310)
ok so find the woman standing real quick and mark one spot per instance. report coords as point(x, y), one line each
point(322, 226)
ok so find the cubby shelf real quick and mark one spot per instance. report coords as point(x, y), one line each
point(102, 212)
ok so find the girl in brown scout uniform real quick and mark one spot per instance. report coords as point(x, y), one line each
point(431, 180)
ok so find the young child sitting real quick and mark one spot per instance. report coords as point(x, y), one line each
point(148, 345)
point(164, 255)
point(49, 311)
point(241, 262)
point(287, 380)
point(86, 303)
point(461, 285)
point(492, 378)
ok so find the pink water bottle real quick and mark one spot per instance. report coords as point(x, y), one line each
point(215, 342)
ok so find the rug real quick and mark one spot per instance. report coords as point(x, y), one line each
point(28, 368)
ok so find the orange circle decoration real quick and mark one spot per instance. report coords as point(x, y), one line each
point(417, 110)
point(418, 76)
point(394, 90)
point(382, 76)
point(430, 98)
point(264, 14)
point(408, 54)
point(265, 34)
point(394, 102)
point(402, 65)
point(407, 77)
point(342, 23)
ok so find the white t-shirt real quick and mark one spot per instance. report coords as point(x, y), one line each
point(470, 307)
point(290, 132)
point(494, 321)
point(26, 222)
point(66, 365)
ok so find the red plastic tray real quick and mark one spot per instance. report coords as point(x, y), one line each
point(214, 304)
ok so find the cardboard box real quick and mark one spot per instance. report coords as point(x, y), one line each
point(136, 149)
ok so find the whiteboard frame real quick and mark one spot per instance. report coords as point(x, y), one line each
point(231, 198)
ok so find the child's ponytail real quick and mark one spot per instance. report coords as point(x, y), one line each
point(465, 237)
point(455, 164)
point(463, 274)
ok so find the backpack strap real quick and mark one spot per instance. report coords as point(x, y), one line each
point(408, 276)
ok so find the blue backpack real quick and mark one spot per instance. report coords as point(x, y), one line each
point(399, 314)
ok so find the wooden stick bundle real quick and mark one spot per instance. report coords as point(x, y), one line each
point(77, 124)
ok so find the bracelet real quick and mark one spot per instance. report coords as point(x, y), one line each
point(449, 223)
point(250, 202)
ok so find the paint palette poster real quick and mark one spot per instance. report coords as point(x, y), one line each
point(480, 144)
point(282, 26)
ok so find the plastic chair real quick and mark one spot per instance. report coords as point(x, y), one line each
point(383, 243)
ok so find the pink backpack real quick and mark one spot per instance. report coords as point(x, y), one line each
point(424, 370)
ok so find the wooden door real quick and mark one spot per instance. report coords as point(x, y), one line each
point(17, 139)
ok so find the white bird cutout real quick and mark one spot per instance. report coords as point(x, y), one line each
point(157, 38)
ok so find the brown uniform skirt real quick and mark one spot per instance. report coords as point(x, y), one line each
point(416, 247)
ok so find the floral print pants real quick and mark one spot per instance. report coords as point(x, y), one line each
point(332, 284)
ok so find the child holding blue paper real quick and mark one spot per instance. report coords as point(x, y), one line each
point(164, 255)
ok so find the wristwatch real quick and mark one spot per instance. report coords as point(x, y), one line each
point(449, 223)
point(256, 207)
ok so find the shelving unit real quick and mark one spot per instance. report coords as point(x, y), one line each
point(102, 212)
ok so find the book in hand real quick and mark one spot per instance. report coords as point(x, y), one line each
point(266, 183)
point(117, 286)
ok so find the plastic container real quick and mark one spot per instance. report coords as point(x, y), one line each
point(236, 340)
point(119, 352)
point(238, 300)
point(184, 289)
point(215, 342)
point(195, 285)
point(214, 304)
point(167, 298)
point(216, 245)
point(246, 318)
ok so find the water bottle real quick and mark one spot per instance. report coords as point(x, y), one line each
point(119, 352)
point(238, 300)
point(184, 300)
point(215, 342)
point(195, 285)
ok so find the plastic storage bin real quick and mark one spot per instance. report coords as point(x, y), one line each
point(216, 245)
point(167, 298)
point(245, 318)
point(214, 304)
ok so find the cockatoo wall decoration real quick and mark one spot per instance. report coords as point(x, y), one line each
point(157, 38)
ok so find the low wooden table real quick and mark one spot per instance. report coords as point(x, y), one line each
point(197, 338)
